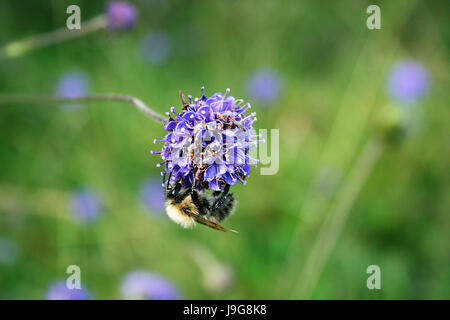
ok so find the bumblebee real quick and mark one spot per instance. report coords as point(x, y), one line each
point(188, 206)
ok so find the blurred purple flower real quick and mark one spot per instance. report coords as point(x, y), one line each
point(143, 285)
point(72, 84)
point(152, 195)
point(408, 81)
point(121, 15)
point(59, 291)
point(264, 85)
point(210, 139)
point(155, 47)
point(86, 205)
point(8, 251)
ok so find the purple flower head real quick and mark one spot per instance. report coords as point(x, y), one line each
point(143, 285)
point(86, 205)
point(152, 195)
point(155, 47)
point(408, 81)
point(209, 142)
point(121, 15)
point(59, 291)
point(73, 84)
point(264, 86)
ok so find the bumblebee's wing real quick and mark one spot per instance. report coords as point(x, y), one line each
point(207, 222)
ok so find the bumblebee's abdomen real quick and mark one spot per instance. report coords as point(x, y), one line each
point(176, 214)
point(225, 209)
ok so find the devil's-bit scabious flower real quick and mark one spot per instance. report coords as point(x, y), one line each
point(407, 82)
point(85, 205)
point(72, 84)
point(152, 195)
point(155, 47)
point(143, 285)
point(59, 291)
point(121, 15)
point(209, 142)
point(264, 86)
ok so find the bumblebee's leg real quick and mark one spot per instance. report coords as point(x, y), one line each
point(225, 207)
point(177, 195)
point(164, 179)
point(168, 180)
point(193, 185)
point(196, 200)
point(220, 199)
point(201, 204)
point(175, 192)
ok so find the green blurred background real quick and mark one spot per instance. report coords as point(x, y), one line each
point(330, 74)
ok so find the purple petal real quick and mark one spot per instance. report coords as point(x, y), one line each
point(206, 112)
point(230, 178)
point(169, 126)
point(245, 169)
point(211, 173)
point(189, 116)
point(222, 168)
point(214, 185)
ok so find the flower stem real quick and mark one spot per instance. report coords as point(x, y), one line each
point(21, 47)
point(139, 104)
point(333, 225)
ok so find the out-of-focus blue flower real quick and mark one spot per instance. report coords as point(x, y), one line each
point(408, 81)
point(143, 285)
point(86, 205)
point(121, 15)
point(264, 86)
point(155, 47)
point(59, 291)
point(152, 195)
point(209, 141)
point(72, 84)
point(8, 251)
